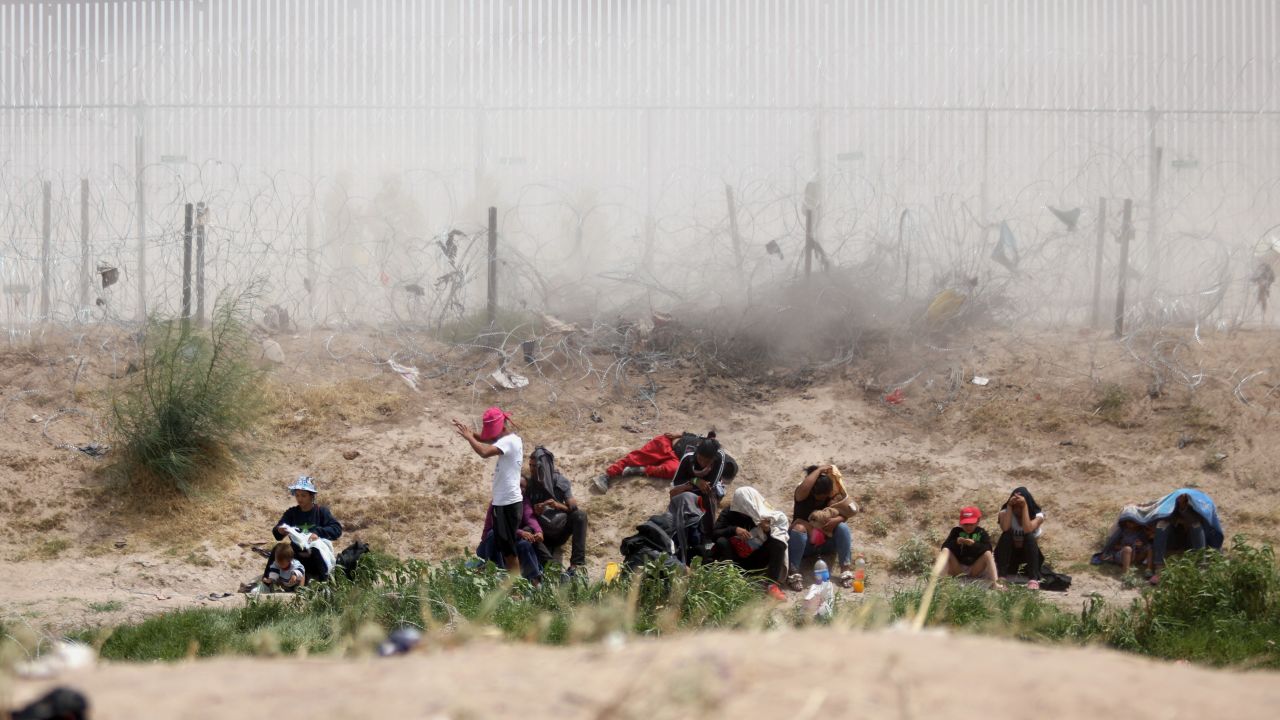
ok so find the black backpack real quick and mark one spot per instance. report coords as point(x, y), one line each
point(654, 538)
point(1053, 581)
point(349, 558)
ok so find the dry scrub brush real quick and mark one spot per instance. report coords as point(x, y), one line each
point(177, 423)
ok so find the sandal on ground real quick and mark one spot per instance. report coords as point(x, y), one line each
point(776, 593)
point(602, 483)
point(846, 579)
point(795, 581)
point(1033, 584)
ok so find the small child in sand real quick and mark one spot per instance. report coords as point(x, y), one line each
point(284, 574)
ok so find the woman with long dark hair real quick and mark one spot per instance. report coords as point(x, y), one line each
point(1021, 523)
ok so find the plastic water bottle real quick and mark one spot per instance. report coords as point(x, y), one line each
point(820, 572)
point(860, 575)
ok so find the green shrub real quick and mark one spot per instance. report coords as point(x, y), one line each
point(915, 557)
point(1112, 403)
point(179, 419)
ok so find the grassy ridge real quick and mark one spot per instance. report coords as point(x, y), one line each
point(1214, 608)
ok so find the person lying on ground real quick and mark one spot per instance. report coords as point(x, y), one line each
point(752, 535)
point(314, 521)
point(657, 459)
point(703, 471)
point(968, 548)
point(551, 495)
point(497, 440)
point(1185, 519)
point(818, 494)
point(1021, 524)
point(528, 536)
point(284, 573)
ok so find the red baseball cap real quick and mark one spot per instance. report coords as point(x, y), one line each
point(970, 514)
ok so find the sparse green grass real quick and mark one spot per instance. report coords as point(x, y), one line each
point(915, 556)
point(922, 490)
point(1215, 608)
point(106, 607)
point(878, 528)
point(50, 549)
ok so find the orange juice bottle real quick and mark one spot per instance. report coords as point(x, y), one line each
point(860, 575)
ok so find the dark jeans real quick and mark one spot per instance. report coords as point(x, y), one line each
point(771, 557)
point(1008, 557)
point(1176, 537)
point(530, 567)
point(575, 528)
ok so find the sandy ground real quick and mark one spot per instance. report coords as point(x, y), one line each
point(76, 553)
point(798, 675)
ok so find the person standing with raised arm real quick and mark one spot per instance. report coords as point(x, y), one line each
point(497, 440)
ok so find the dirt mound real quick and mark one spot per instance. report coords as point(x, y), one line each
point(820, 673)
point(1074, 417)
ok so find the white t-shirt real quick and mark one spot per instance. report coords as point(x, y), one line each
point(285, 575)
point(1016, 523)
point(506, 476)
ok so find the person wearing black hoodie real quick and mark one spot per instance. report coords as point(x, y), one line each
point(703, 472)
point(308, 517)
point(968, 548)
point(1021, 522)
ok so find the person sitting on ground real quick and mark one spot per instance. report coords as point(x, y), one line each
point(284, 573)
point(1185, 519)
point(1191, 525)
point(1021, 523)
point(821, 492)
point(752, 534)
point(314, 521)
point(528, 536)
point(968, 548)
point(703, 471)
point(659, 459)
point(551, 495)
point(1133, 545)
point(497, 440)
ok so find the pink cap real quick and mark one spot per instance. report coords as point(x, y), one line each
point(493, 424)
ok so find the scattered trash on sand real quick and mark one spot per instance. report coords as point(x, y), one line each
point(508, 379)
point(980, 381)
point(408, 374)
point(896, 397)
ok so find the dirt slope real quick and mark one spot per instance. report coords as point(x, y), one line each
point(1070, 416)
point(802, 675)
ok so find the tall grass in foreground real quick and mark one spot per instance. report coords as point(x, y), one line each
point(1219, 609)
point(178, 419)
